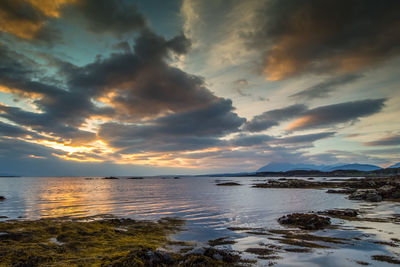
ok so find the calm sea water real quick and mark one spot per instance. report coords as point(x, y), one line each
point(207, 208)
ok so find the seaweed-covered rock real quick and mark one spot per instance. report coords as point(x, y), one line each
point(341, 191)
point(305, 221)
point(289, 183)
point(145, 257)
point(371, 195)
point(387, 191)
point(340, 213)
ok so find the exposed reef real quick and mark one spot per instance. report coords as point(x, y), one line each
point(305, 221)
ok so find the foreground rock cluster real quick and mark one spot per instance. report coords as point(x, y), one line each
point(100, 241)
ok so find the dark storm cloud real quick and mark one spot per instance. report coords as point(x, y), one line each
point(273, 118)
point(46, 123)
point(182, 131)
point(338, 113)
point(142, 83)
point(306, 138)
point(11, 130)
point(124, 46)
point(393, 140)
point(250, 140)
point(109, 16)
point(324, 89)
point(62, 111)
point(325, 36)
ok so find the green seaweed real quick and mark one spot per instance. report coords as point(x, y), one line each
point(67, 241)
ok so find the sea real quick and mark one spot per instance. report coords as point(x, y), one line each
point(209, 210)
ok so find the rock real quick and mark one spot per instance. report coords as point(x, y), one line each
point(396, 194)
point(2, 198)
point(387, 191)
point(371, 195)
point(341, 191)
point(228, 184)
point(110, 178)
point(149, 258)
point(305, 221)
point(197, 251)
point(340, 212)
point(218, 257)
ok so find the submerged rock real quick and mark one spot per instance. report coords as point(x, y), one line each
point(371, 195)
point(2, 198)
point(305, 221)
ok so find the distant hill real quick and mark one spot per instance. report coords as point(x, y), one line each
point(356, 166)
point(335, 173)
point(285, 166)
point(397, 165)
point(8, 175)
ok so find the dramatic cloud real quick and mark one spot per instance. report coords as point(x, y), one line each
point(158, 107)
point(324, 89)
point(29, 19)
point(250, 140)
point(306, 138)
point(183, 131)
point(101, 85)
point(273, 118)
point(32, 19)
point(386, 141)
point(11, 130)
point(332, 36)
point(109, 16)
point(338, 113)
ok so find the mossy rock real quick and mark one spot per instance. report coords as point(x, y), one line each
point(305, 221)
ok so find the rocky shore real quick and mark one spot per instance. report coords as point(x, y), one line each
point(368, 189)
point(103, 241)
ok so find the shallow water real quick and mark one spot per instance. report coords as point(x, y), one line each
point(207, 208)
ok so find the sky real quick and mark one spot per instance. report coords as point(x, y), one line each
point(119, 87)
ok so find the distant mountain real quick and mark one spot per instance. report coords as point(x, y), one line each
point(397, 165)
point(355, 166)
point(284, 167)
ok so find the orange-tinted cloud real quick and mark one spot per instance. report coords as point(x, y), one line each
point(25, 18)
point(333, 36)
point(331, 115)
